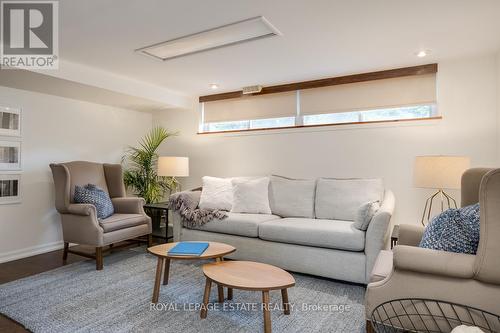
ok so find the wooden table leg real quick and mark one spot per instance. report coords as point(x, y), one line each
point(220, 289)
point(156, 289)
point(229, 293)
point(267, 312)
point(284, 299)
point(166, 271)
point(206, 295)
point(220, 292)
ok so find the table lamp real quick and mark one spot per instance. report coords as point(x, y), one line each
point(439, 172)
point(173, 166)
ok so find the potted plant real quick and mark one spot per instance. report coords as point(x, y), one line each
point(140, 167)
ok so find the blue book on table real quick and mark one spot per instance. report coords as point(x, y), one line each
point(188, 249)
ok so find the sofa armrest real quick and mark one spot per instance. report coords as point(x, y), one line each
point(82, 209)
point(176, 226)
point(410, 234)
point(427, 261)
point(377, 233)
point(129, 205)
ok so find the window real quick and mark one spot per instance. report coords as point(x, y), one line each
point(272, 122)
point(394, 98)
point(242, 125)
point(407, 112)
point(331, 118)
point(401, 113)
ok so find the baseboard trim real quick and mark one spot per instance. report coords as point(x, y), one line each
point(30, 251)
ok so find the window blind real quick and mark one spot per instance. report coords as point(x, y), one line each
point(385, 93)
point(251, 107)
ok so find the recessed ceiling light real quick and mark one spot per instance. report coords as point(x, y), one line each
point(214, 86)
point(234, 33)
point(423, 53)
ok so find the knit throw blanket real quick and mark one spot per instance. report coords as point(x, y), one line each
point(186, 204)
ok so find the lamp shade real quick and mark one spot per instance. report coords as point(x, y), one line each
point(440, 172)
point(172, 166)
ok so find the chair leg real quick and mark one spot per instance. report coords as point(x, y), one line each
point(150, 240)
point(99, 262)
point(65, 251)
point(369, 327)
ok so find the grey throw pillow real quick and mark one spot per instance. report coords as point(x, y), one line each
point(365, 214)
point(339, 199)
point(91, 194)
point(292, 197)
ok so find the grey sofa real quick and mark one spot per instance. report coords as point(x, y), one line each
point(325, 243)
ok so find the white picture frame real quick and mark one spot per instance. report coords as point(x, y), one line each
point(10, 188)
point(10, 155)
point(10, 121)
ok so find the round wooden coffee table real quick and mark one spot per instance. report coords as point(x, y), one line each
point(247, 275)
point(214, 251)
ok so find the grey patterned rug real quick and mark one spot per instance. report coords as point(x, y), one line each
point(77, 298)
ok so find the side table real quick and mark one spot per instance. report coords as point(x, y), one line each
point(159, 230)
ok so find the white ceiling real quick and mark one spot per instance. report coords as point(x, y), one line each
point(320, 38)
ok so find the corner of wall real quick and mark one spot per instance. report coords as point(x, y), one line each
point(498, 108)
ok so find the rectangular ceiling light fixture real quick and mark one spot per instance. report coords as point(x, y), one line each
point(230, 34)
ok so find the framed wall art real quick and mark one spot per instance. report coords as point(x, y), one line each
point(10, 121)
point(10, 155)
point(10, 188)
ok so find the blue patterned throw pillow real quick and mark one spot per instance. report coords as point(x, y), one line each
point(91, 194)
point(454, 230)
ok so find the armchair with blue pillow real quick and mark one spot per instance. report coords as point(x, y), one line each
point(452, 264)
point(94, 208)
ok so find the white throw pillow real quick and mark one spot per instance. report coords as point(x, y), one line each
point(365, 214)
point(251, 196)
point(466, 329)
point(217, 193)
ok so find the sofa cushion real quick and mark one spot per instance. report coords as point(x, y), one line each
point(238, 224)
point(292, 197)
point(122, 221)
point(314, 232)
point(339, 199)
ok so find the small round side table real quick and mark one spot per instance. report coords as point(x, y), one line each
point(214, 251)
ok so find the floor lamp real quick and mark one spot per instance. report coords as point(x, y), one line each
point(439, 173)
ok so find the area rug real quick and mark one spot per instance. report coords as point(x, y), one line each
point(77, 298)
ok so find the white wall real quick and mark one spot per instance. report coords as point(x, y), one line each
point(467, 92)
point(56, 129)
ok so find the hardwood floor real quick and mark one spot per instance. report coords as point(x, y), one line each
point(21, 268)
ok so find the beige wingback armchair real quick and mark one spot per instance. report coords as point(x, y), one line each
point(418, 273)
point(79, 221)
